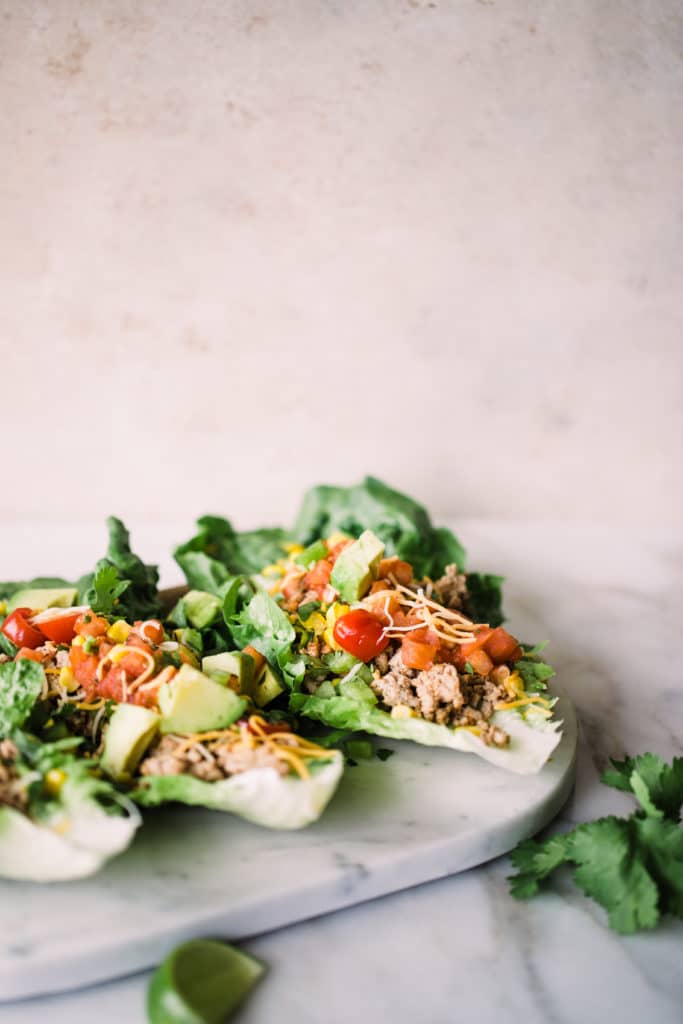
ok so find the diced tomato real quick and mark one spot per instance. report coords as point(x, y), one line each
point(111, 685)
point(151, 630)
point(416, 654)
point(318, 577)
point(147, 698)
point(59, 627)
point(361, 634)
point(478, 642)
point(480, 662)
point(19, 630)
point(502, 647)
point(28, 652)
point(401, 571)
point(84, 668)
point(379, 606)
point(90, 624)
point(132, 663)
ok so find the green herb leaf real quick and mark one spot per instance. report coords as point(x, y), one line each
point(633, 867)
point(21, 683)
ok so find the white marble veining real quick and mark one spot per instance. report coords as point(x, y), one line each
point(610, 603)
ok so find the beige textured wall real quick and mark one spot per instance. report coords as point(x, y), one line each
point(249, 246)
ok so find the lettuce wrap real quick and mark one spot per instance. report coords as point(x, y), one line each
point(58, 820)
point(260, 795)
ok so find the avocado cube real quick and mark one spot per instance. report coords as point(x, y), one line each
point(201, 609)
point(130, 732)
point(231, 663)
point(267, 688)
point(192, 702)
point(356, 567)
point(39, 599)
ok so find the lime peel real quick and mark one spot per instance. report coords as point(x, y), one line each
point(201, 982)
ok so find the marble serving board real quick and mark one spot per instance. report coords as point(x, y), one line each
point(420, 815)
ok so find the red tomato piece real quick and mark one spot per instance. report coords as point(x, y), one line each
point(361, 634)
point(90, 624)
point(417, 654)
point(28, 652)
point(59, 626)
point(501, 646)
point(19, 630)
point(401, 571)
point(150, 630)
point(318, 577)
point(480, 662)
point(479, 641)
point(111, 686)
point(84, 667)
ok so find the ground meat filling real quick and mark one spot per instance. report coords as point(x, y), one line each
point(172, 757)
point(441, 694)
point(12, 791)
point(451, 588)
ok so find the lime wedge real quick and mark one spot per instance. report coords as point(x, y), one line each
point(201, 982)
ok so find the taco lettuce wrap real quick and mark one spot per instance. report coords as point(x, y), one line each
point(363, 643)
point(58, 819)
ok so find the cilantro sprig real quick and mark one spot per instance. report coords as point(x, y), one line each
point(633, 867)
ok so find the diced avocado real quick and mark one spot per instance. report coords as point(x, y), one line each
point(312, 554)
point(131, 730)
point(357, 566)
point(231, 663)
point(43, 597)
point(267, 687)
point(192, 702)
point(201, 609)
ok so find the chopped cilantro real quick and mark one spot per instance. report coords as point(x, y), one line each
point(468, 669)
point(384, 753)
point(90, 645)
point(633, 867)
point(105, 590)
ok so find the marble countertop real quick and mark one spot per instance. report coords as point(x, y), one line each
point(609, 602)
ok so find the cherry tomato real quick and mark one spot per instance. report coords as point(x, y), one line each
point(19, 630)
point(361, 634)
point(59, 625)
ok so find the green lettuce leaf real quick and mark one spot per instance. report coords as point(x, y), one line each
point(261, 795)
point(264, 625)
point(532, 738)
point(217, 552)
point(401, 523)
point(122, 584)
point(8, 589)
point(20, 685)
point(485, 600)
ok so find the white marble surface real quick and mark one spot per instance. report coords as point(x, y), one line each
point(266, 243)
point(610, 603)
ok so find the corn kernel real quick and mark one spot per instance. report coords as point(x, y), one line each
point(78, 641)
point(402, 711)
point(328, 637)
point(67, 679)
point(54, 780)
point(336, 538)
point(118, 631)
point(316, 622)
point(293, 549)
